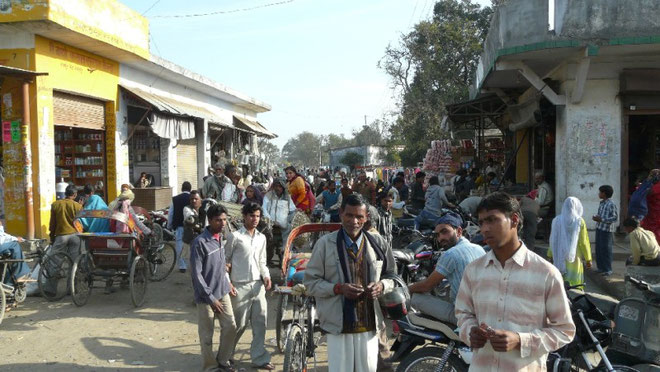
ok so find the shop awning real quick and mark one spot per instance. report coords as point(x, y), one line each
point(174, 119)
point(253, 126)
point(18, 72)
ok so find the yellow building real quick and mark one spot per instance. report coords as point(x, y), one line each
point(77, 47)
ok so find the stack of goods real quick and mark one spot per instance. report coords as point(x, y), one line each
point(438, 158)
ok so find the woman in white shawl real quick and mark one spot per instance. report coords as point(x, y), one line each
point(569, 242)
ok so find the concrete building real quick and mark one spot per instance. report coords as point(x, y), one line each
point(576, 85)
point(83, 99)
point(372, 155)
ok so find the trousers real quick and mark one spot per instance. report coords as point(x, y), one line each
point(604, 242)
point(434, 306)
point(357, 352)
point(250, 306)
point(69, 244)
point(178, 236)
point(205, 328)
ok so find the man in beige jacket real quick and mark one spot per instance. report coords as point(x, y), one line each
point(343, 275)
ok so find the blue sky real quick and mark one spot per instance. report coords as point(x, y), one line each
point(314, 61)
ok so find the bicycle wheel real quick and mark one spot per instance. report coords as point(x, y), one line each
point(138, 281)
point(294, 354)
point(53, 279)
point(81, 279)
point(157, 233)
point(428, 359)
point(161, 263)
point(3, 304)
point(281, 329)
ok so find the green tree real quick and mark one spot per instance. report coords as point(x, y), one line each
point(303, 149)
point(269, 149)
point(352, 159)
point(371, 134)
point(433, 66)
point(337, 140)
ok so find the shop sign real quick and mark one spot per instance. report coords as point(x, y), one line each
point(6, 131)
point(16, 131)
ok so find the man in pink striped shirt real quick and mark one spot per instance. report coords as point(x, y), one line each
point(511, 305)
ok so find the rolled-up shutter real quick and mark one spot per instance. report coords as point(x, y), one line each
point(186, 160)
point(77, 111)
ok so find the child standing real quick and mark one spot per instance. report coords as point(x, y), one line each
point(606, 217)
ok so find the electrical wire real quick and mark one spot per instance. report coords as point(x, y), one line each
point(151, 7)
point(223, 11)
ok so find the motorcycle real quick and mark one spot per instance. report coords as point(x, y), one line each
point(417, 260)
point(445, 350)
point(160, 217)
point(593, 332)
point(636, 335)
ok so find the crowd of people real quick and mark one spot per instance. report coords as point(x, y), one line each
point(351, 268)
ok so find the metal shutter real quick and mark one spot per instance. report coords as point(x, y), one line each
point(77, 111)
point(186, 160)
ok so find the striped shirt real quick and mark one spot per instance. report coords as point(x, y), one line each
point(525, 296)
point(609, 215)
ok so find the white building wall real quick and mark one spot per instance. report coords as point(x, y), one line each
point(588, 146)
point(132, 77)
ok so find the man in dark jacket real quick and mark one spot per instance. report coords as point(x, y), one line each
point(175, 221)
point(417, 196)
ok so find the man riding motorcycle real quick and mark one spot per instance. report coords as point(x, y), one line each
point(459, 253)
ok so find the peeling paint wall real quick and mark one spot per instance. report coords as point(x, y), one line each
point(15, 51)
point(590, 133)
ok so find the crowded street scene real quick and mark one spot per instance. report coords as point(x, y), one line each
point(297, 185)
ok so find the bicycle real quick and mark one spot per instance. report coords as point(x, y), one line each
point(304, 332)
point(160, 255)
point(54, 269)
point(293, 264)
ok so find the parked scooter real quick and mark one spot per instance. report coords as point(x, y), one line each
point(636, 336)
point(593, 332)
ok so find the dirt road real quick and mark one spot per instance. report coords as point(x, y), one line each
point(109, 334)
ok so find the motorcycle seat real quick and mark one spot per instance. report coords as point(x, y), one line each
point(405, 255)
point(427, 321)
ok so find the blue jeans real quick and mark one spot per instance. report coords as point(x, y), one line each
point(179, 247)
point(424, 216)
point(19, 269)
point(604, 242)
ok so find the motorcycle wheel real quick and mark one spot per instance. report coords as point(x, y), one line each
point(428, 359)
point(617, 368)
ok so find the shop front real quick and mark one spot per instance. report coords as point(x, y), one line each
point(71, 132)
point(80, 145)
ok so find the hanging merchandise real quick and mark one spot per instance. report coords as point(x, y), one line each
point(438, 158)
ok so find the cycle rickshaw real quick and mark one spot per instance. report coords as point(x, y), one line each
point(109, 255)
point(296, 323)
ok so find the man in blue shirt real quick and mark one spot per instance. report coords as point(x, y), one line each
point(460, 252)
point(212, 288)
point(605, 227)
point(328, 199)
